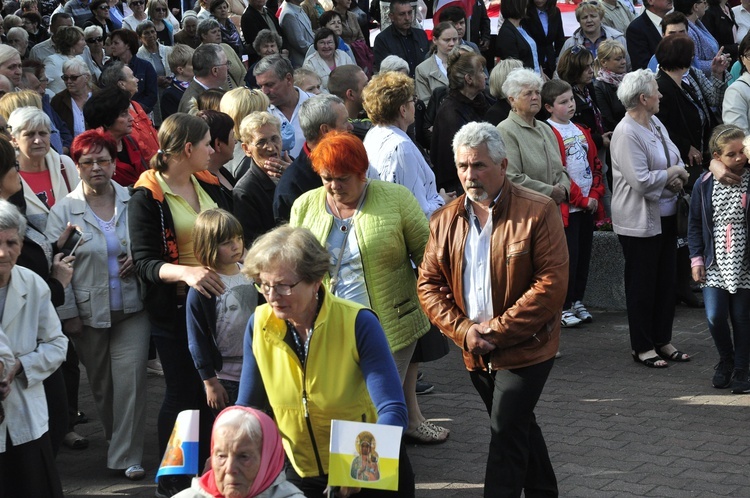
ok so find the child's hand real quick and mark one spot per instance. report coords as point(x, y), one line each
point(699, 273)
point(216, 396)
point(593, 205)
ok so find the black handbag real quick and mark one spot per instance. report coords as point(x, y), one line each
point(683, 211)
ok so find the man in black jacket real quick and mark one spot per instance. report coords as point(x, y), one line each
point(643, 34)
point(401, 39)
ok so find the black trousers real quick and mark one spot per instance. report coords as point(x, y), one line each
point(29, 470)
point(518, 460)
point(650, 267)
point(312, 487)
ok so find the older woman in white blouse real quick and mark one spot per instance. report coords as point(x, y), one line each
point(326, 57)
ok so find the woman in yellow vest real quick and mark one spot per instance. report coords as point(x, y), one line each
point(291, 345)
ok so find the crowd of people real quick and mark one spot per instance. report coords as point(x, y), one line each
point(248, 176)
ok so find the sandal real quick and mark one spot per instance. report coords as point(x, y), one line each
point(427, 433)
point(653, 362)
point(675, 355)
point(75, 441)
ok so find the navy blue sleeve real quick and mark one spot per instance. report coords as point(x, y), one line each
point(199, 335)
point(379, 370)
point(252, 391)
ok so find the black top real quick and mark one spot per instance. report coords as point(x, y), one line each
point(642, 37)
point(253, 202)
point(548, 45)
point(412, 47)
point(299, 178)
point(510, 43)
point(721, 25)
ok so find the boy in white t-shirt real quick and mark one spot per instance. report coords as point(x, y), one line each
point(579, 156)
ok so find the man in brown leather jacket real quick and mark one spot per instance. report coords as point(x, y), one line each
point(500, 253)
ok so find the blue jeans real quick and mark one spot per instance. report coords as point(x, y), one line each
point(721, 307)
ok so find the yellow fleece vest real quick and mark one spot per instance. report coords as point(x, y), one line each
point(331, 381)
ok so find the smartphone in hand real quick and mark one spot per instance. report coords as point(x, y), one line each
point(70, 246)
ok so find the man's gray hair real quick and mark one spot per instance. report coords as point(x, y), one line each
point(28, 118)
point(474, 134)
point(519, 79)
point(205, 58)
point(634, 85)
point(317, 111)
point(11, 217)
point(393, 63)
point(280, 66)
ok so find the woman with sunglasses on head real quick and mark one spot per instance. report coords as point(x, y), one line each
point(591, 32)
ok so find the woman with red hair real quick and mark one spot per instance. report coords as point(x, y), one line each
point(112, 331)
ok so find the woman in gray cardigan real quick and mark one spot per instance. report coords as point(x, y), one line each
point(647, 174)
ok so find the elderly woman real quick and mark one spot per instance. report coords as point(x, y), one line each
point(389, 102)
point(326, 57)
point(68, 104)
point(238, 432)
point(161, 213)
point(10, 64)
point(464, 103)
point(647, 172)
point(706, 46)
point(612, 61)
point(342, 214)
point(110, 111)
point(124, 47)
point(118, 75)
point(138, 7)
point(220, 11)
point(576, 66)
point(158, 11)
point(260, 133)
point(95, 58)
point(27, 465)
point(531, 147)
point(499, 110)
point(334, 21)
point(736, 105)
point(18, 38)
point(157, 54)
point(46, 175)
point(69, 43)
point(101, 19)
point(188, 35)
point(433, 72)
point(209, 31)
point(239, 103)
point(289, 266)
point(592, 32)
point(112, 336)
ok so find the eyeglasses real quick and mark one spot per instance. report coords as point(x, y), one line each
point(137, 2)
point(103, 7)
point(103, 163)
point(263, 142)
point(98, 39)
point(326, 43)
point(281, 289)
point(227, 63)
point(413, 99)
point(71, 77)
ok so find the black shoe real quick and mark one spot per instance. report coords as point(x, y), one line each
point(723, 375)
point(171, 485)
point(81, 418)
point(740, 383)
point(424, 387)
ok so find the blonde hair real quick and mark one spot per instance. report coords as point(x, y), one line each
point(212, 228)
point(15, 100)
point(255, 121)
point(241, 102)
point(385, 94)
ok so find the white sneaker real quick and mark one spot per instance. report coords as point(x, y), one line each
point(135, 473)
point(581, 312)
point(569, 319)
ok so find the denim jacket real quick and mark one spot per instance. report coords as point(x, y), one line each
point(90, 283)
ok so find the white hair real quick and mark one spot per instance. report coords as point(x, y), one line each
point(76, 65)
point(28, 118)
point(244, 422)
point(474, 134)
point(633, 85)
point(519, 79)
point(394, 63)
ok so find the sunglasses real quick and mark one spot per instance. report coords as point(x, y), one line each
point(71, 77)
point(98, 39)
point(103, 7)
point(137, 2)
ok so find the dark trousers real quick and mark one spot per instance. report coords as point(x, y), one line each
point(312, 487)
point(71, 371)
point(721, 307)
point(184, 388)
point(518, 460)
point(57, 406)
point(580, 235)
point(650, 265)
point(29, 470)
